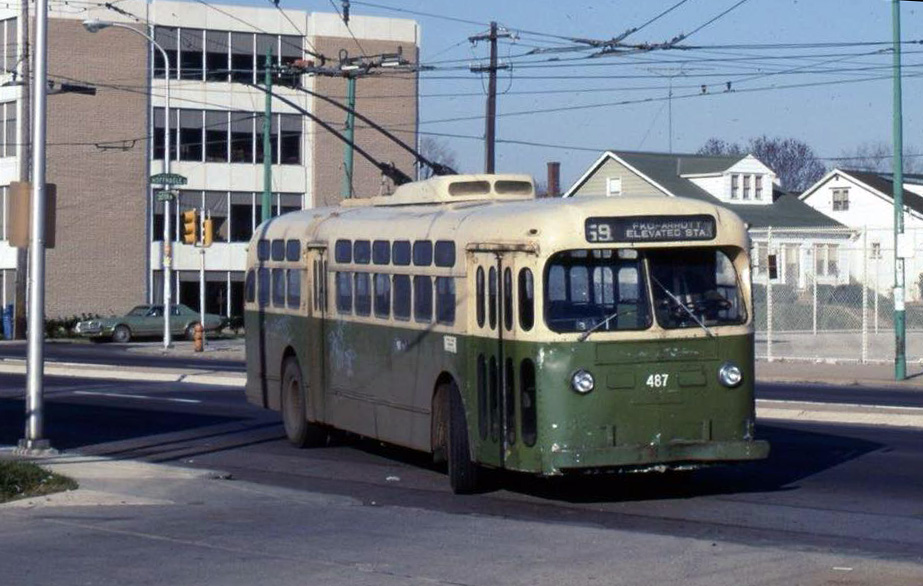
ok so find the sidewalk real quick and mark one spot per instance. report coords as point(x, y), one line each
point(841, 374)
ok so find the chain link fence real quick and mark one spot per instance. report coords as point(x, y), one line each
point(827, 294)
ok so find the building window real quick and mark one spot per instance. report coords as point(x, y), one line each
point(190, 135)
point(735, 186)
point(840, 200)
point(191, 54)
point(242, 57)
point(290, 50)
point(613, 186)
point(876, 250)
point(10, 49)
point(746, 187)
point(273, 139)
point(167, 38)
point(8, 132)
point(290, 139)
point(216, 137)
point(217, 64)
point(826, 260)
point(242, 137)
point(757, 187)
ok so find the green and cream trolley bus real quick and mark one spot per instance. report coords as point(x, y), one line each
point(464, 317)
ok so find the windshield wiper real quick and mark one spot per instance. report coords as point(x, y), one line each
point(614, 315)
point(683, 305)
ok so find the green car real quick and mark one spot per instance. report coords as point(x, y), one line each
point(147, 320)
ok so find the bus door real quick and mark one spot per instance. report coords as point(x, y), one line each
point(491, 401)
point(315, 369)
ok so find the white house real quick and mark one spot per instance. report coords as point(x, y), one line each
point(864, 201)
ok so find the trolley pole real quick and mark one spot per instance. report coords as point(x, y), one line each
point(34, 440)
point(491, 118)
point(900, 342)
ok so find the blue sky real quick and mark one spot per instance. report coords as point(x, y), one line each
point(831, 118)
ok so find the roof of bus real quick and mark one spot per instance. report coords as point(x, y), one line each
point(551, 223)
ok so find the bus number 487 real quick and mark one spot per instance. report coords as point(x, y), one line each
point(657, 381)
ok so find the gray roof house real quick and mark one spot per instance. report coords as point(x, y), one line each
point(807, 244)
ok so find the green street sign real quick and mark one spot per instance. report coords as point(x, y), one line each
point(165, 195)
point(168, 179)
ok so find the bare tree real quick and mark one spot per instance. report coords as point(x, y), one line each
point(876, 156)
point(795, 163)
point(437, 151)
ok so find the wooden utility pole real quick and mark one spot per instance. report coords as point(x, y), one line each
point(491, 121)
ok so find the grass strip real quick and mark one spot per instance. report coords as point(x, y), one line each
point(20, 480)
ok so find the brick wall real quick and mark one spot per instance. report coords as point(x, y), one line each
point(99, 263)
point(388, 99)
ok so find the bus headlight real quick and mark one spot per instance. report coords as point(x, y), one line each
point(730, 375)
point(582, 382)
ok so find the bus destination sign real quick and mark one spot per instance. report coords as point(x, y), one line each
point(649, 228)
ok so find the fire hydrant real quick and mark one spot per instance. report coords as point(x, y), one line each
point(198, 338)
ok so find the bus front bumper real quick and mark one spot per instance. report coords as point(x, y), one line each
point(672, 454)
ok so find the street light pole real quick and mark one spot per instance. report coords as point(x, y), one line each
point(93, 26)
point(35, 358)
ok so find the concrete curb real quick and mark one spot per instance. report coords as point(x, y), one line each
point(116, 372)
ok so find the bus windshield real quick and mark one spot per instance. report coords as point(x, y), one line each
point(607, 290)
point(695, 287)
point(598, 290)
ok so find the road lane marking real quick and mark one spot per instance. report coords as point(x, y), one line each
point(127, 396)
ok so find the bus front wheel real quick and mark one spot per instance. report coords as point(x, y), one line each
point(299, 431)
point(464, 475)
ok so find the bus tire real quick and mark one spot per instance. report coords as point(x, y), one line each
point(299, 431)
point(464, 475)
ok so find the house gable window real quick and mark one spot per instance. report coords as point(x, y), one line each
point(746, 186)
point(735, 186)
point(840, 200)
point(613, 186)
point(757, 187)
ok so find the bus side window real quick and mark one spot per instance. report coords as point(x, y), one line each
point(344, 292)
point(423, 299)
point(317, 287)
point(423, 253)
point(362, 252)
point(382, 295)
point(400, 253)
point(445, 300)
point(492, 296)
point(401, 286)
point(508, 299)
point(293, 288)
point(250, 287)
point(278, 287)
point(343, 251)
point(479, 295)
point(363, 294)
point(292, 250)
point(526, 300)
point(278, 250)
point(445, 253)
point(264, 287)
point(381, 252)
point(262, 250)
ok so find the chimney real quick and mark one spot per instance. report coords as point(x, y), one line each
point(554, 179)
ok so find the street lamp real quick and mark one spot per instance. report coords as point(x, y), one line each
point(95, 25)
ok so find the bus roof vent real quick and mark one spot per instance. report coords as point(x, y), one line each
point(458, 188)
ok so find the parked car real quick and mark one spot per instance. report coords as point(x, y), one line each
point(147, 320)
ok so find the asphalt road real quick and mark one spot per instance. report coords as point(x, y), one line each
point(827, 488)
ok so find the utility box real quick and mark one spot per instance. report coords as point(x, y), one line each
point(20, 214)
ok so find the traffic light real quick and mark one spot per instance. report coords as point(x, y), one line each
point(208, 232)
point(190, 226)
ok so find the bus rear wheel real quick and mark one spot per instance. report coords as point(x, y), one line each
point(464, 475)
point(299, 431)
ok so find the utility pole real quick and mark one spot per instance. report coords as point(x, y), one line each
point(491, 119)
point(350, 134)
point(897, 187)
point(266, 204)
